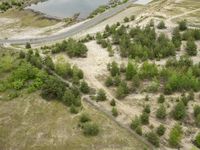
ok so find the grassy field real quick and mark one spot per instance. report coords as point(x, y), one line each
point(29, 122)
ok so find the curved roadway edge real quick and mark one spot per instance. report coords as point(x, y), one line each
point(111, 12)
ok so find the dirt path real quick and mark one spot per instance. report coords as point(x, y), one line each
point(183, 14)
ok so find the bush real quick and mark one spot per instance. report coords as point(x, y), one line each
point(138, 130)
point(196, 110)
point(113, 103)
point(161, 130)
point(175, 135)
point(147, 109)
point(73, 109)
point(90, 129)
point(161, 25)
point(161, 112)
point(153, 139)
point(126, 19)
point(114, 112)
point(28, 46)
point(183, 25)
point(191, 48)
point(84, 87)
point(144, 118)
point(197, 120)
point(130, 71)
point(179, 111)
point(84, 118)
point(161, 99)
point(101, 95)
point(109, 82)
point(132, 17)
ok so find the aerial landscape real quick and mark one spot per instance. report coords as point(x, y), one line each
point(99, 74)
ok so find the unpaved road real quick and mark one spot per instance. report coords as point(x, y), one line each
point(73, 31)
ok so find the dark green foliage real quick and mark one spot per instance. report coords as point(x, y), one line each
point(22, 55)
point(84, 118)
point(73, 109)
point(101, 95)
point(28, 46)
point(183, 25)
point(197, 140)
point(84, 87)
point(175, 135)
point(191, 48)
point(53, 89)
point(114, 112)
point(160, 130)
point(153, 139)
point(144, 118)
point(147, 109)
point(71, 47)
point(161, 112)
point(90, 129)
point(126, 19)
point(161, 99)
point(196, 110)
point(179, 111)
point(197, 120)
point(132, 17)
point(113, 103)
point(161, 25)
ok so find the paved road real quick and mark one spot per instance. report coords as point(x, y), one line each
point(73, 31)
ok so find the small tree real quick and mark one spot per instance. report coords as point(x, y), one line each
point(28, 45)
point(130, 71)
point(147, 109)
point(138, 130)
point(126, 19)
point(113, 103)
point(161, 99)
point(90, 129)
point(153, 139)
point(114, 69)
point(161, 130)
point(84, 87)
point(175, 135)
point(197, 140)
point(191, 48)
point(109, 82)
point(132, 17)
point(136, 122)
point(161, 112)
point(144, 118)
point(183, 25)
point(179, 111)
point(101, 95)
point(161, 25)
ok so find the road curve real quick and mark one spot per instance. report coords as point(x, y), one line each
point(74, 30)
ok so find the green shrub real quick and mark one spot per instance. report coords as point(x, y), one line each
point(179, 111)
point(84, 118)
point(161, 130)
point(90, 129)
point(175, 135)
point(101, 95)
point(161, 25)
point(153, 139)
point(114, 112)
point(197, 140)
point(161, 112)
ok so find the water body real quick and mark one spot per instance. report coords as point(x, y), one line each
point(67, 8)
